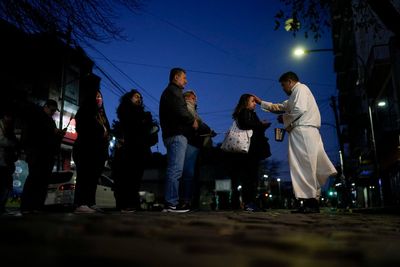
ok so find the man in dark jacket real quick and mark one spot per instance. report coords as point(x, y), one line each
point(176, 124)
point(42, 141)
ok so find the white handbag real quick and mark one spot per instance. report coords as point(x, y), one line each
point(237, 140)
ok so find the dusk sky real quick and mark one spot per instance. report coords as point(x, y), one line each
point(228, 48)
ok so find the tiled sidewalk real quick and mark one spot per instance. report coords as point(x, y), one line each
point(273, 238)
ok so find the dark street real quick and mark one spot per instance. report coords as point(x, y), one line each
point(272, 238)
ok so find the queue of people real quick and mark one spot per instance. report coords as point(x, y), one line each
point(184, 134)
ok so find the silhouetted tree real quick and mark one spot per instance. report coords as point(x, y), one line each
point(315, 16)
point(80, 20)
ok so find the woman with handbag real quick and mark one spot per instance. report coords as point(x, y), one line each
point(244, 166)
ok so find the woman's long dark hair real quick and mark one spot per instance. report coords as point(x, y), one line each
point(89, 106)
point(126, 101)
point(242, 104)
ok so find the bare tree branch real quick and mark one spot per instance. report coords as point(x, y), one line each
point(89, 19)
point(314, 16)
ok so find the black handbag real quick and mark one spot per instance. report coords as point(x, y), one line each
point(264, 148)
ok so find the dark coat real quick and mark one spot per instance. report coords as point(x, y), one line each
point(201, 137)
point(259, 146)
point(39, 137)
point(91, 140)
point(135, 125)
point(175, 119)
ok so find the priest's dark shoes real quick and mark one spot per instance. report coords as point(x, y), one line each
point(306, 210)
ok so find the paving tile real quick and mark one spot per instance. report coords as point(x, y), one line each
point(272, 238)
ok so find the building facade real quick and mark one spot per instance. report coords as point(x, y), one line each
point(367, 63)
point(35, 67)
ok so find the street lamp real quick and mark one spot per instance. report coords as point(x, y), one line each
point(381, 104)
point(279, 190)
point(300, 52)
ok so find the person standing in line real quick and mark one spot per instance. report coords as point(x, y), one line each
point(128, 166)
point(197, 139)
point(8, 156)
point(176, 124)
point(41, 141)
point(90, 150)
point(309, 164)
point(244, 167)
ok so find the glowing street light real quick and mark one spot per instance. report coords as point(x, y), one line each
point(300, 51)
point(279, 190)
point(382, 104)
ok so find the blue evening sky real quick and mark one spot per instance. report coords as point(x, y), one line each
point(228, 47)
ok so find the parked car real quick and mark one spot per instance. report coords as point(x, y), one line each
point(61, 190)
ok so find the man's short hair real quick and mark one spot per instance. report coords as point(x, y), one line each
point(290, 75)
point(51, 103)
point(174, 72)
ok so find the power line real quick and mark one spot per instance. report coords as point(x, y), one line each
point(188, 33)
point(125, 75)
point(110, 88)
point(123, 91)
point(208, 72)
point(193, 70)
point(115, 83)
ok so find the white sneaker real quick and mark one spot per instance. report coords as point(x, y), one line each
point(97, 209)
point(84, 209)
point(129, 210)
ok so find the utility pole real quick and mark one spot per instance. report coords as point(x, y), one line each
point(63, 85)
point(346, 192)
point(338, 133)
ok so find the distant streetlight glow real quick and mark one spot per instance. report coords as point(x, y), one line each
point(381, 104)
point(300, 52)
point(279, 190)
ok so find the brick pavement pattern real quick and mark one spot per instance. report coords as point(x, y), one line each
point(272, 238)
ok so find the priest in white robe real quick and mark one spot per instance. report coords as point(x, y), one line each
point(310, 166)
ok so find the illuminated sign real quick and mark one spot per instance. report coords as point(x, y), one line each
point(71, 133)
point(69, 123)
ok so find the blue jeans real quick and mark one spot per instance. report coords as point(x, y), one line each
point(180, 162)
point(176, 150)
point(189, 168)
